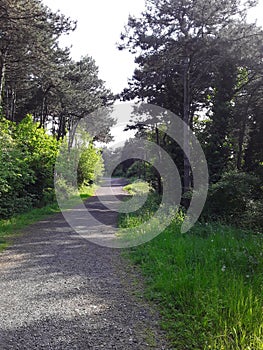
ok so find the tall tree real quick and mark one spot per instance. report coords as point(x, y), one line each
point(179, 45)
point(28, 46)
point(38, 77)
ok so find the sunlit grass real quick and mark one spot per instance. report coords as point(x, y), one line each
point(12, 226)
point(208, 283)
point(139, 187)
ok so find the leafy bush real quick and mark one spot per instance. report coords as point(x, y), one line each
point(15, 174)
point(138, 187)
point(40, 151)
point(144, 170)
point(236, 199)
point(90, 166)
point(27, 157)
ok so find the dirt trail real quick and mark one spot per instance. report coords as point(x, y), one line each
point(59, 291)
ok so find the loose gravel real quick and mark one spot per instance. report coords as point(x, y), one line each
point(59, 291)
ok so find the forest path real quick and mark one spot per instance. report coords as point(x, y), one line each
point(60, 291)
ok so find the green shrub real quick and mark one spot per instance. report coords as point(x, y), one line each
point(40, 151)
point(27, 157)
point(90, 166)
point(234, 198)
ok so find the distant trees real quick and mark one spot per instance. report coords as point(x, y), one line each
point(78, 94)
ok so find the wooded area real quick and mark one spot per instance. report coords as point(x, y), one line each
point(202, 60)
point(39, 78)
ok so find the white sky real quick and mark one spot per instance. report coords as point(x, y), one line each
point(100, 23)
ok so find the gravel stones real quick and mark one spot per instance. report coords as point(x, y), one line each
point(59, 291)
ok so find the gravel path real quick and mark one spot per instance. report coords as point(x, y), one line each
point(59, 291)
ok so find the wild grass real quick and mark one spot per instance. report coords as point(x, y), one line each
point(139, 187)
point(208, 283)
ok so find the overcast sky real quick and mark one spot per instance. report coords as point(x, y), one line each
point(100, 23)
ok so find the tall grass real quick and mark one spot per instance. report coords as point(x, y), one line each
point(208, 283)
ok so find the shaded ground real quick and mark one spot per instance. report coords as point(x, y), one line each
point(59, 291)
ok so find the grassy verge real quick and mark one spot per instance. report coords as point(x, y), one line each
point(139, 187)
point(208, 284)
point(12, 226)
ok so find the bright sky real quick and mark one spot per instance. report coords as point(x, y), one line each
point(100, 23)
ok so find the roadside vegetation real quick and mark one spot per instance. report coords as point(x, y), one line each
point(194, 59)
point(207, 283)
point(43, 94)
point(139, 187)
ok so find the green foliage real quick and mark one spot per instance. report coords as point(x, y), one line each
point(138, 168)
point(15, 174)
point(90, 166)
point(138, 187)
point(206, 283)
point(40, 152)
point(236, 198)
point(78, 166)
point(217, 145)
point(194, 59)
point(26, 169)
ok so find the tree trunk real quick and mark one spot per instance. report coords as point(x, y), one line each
point(186, 118)
point(241, 136)
point(159, 180)
point(13, 104)
point(2, 79)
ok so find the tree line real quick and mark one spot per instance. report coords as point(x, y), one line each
point(203, 61)
point(43, 93)
point(200, 59)
point(37, 76)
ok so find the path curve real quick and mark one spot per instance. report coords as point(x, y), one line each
point(59, 291)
